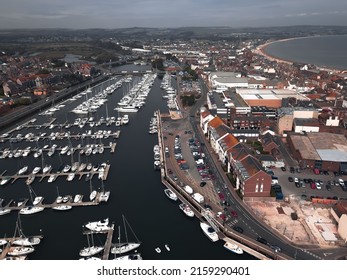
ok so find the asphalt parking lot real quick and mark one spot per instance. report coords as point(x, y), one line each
point(289, 188)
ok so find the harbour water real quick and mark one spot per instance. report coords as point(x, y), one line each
point(136, 193)
point(323, 51)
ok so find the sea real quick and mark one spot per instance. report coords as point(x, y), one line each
point(322, 51)
point(136, 192)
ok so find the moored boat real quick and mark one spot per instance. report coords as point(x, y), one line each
point(62, 207)
point(209, 232)
point(23, 170)
point(31, 210)
point(186, 210)
point(233, 247)
point(20, 250)
point(170, 194)
point(101, 225)
point(28, 241)
point(90, 251)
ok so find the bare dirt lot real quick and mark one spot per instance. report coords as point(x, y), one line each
point(314, 225)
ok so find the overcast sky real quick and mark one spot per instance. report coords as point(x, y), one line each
point(166, 13)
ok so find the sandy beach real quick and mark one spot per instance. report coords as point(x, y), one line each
point(260, 50)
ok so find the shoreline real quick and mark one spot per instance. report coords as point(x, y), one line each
point(260, 50)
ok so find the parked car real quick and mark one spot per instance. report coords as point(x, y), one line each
point(290, 179)
point(233, 213)
point(238, 229)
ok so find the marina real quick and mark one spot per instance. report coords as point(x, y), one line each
point(120, 181)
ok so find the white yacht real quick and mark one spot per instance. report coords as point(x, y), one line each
point(170, 194)
point(37, 200)
point(92, 195)
point(4, 211)
point(233, 247)
point(27, 241)
point(101, 225)
point(66, 168)
point(52, 178)
point(62, 207)
point(5, 180)
point(30, 179)
point(77, 198)
point(36, 170)
point(70, 177)
point(104, 196)
point(20, 250)
point(209, 232)
point(30, 210)
point(125, 119)
point(23, 170)
point(186, 210)
point(47, 168)
point(90, 251)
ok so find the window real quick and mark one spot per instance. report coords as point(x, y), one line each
point(256, 187)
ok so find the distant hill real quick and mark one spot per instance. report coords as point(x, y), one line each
point(141, 33)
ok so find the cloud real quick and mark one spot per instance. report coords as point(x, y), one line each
point(165, 13)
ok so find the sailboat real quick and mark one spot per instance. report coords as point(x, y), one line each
point(32, 209)
point(125, 247)
point(24, 245)
point(93, 193)
point(91, 249)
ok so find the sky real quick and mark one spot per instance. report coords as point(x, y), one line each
point(169, 13)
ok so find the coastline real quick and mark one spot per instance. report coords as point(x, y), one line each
point(261, 50)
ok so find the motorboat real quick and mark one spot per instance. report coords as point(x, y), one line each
point(30, 210)
point(186, 210)
point(158, 250)
point(77, 198)
point(20, 250)
point(125, 119)
point(62, 207)
point(82, 167)
point(209, 232)
point(3, 242)
point(66, 168)
point(47, 168)
point(101, 225)
point(74, 166)
point(70, 177)
point(233, 247)
point(28, 241)
point(36, 170)
point(92, 195)
point(170, 194)
point(52, 178)
point(90, 251)
point(104, 196)
point(30, 179)
point(23, 170)
point(37, 200)
point(4, 211)
point(59, 199)
point(5, 180)
point(167, 247)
